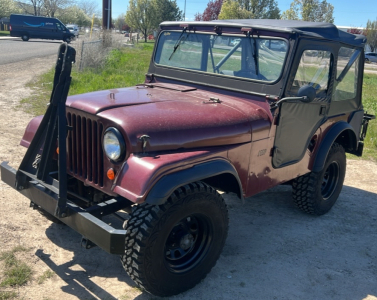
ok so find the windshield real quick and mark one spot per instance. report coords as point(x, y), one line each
point(237, 56)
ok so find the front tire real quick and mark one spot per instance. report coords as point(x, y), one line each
point(316, 192)
point(171, 247)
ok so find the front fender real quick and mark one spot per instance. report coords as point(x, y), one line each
point(169, 183)
point(153, 179)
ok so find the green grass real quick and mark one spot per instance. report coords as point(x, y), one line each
point(4, 33)
point(7, 295)
point(370, 105)
point(46, 275)
point(122, 68)
point(15, 272)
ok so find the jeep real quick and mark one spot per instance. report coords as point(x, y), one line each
point(237, 106)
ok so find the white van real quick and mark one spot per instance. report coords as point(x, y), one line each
point(73, 29)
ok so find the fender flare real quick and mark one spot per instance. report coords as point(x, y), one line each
point(326, 144)
point(162, 190)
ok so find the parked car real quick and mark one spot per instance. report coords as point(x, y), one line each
point(370, 57)
point(27, 27)
point(240, 119)
point(73, 29)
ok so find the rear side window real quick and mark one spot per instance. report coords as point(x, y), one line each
point(346, 74)
point(313, 70)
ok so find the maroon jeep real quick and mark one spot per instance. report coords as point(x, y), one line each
point(233, 105)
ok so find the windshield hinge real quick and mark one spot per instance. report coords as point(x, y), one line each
point(218, 30)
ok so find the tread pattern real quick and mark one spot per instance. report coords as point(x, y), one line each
point(306, 188)
point(145, 224)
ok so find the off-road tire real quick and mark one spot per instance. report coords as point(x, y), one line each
point(158, 254)
point(316, 192)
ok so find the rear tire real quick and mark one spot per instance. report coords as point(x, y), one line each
point(171, 247)
point(25, 37)
point(316, 192)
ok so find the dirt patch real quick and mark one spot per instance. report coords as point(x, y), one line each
point(273, 251)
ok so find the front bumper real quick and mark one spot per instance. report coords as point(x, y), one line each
point(85, 221)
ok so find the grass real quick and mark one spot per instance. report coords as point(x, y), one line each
point(127, 67)
point(15, 272)
point(46, 275)
point(123, 68)
point(4, 33)
point(370, 105)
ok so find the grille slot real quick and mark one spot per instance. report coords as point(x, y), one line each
point(84, 149)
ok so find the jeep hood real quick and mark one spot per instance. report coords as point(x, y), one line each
point(173, 116)
point(181, 119)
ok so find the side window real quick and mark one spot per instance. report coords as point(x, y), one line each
point(59, 26)
point(313, 70)
point(346, 80)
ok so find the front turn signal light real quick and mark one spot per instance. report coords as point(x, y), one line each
point(111, 174)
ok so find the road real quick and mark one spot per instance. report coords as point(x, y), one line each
point(15, 50)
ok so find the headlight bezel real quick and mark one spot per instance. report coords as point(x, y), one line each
point(121, 141)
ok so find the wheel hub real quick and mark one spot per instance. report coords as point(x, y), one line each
point(187, 241)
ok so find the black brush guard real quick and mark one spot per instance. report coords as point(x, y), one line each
point(46, 187)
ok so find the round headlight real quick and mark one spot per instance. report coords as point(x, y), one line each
point(113, 144)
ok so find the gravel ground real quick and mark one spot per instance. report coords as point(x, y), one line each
point(273, 251)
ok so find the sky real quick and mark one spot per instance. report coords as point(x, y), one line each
point(353, 13)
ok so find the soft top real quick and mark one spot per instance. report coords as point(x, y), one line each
point(315, 29)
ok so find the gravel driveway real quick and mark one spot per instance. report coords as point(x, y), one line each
point(273, 251)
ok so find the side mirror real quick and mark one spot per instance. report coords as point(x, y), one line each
point(308, 92)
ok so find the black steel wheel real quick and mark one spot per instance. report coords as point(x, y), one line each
point(171, 247)
point(25, 37)
point(316, 192)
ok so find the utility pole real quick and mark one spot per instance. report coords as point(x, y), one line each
point(106, 14)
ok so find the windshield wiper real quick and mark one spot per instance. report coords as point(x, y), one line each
point(179, 42)
point(255, 54)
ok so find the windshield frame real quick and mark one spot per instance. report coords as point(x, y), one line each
point(253, 42)
point(237, 84)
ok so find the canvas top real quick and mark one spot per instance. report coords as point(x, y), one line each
point(314, 29)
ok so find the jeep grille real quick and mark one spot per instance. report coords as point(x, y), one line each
point(85, 155)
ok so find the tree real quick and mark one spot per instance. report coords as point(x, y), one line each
point(120, 22)
point(51, 6)
point(371, 34)
point(310, 10)
point(89, 7)
point(7, 7)
point(166, 10)
point(249, 9)
point(211, 12)
point(141, 16)
point(73, 15)
point(33, 7)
